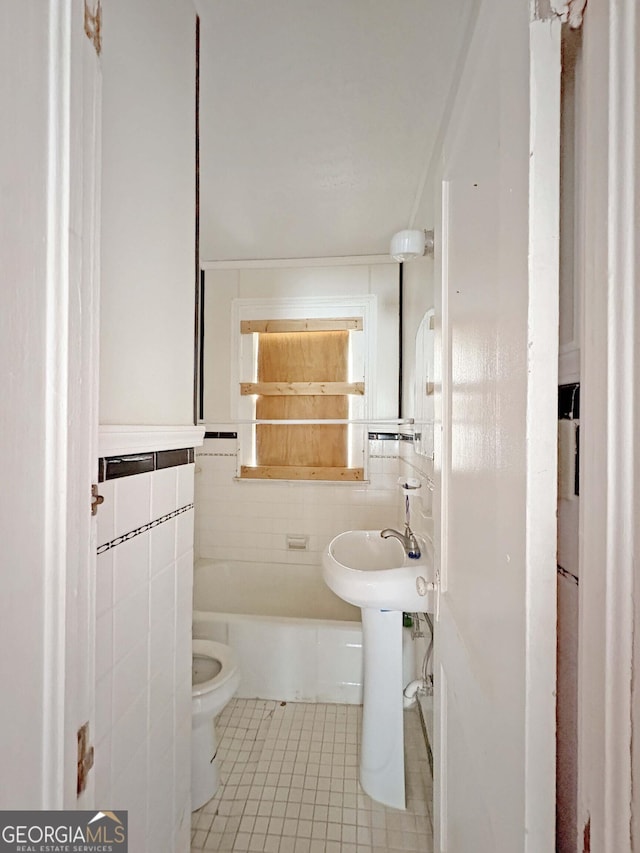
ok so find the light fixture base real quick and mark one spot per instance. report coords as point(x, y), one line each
point(411, 243)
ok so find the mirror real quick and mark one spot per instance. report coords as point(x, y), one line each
point(425, 386)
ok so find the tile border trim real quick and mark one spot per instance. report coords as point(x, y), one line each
point(143, 529)
point(217, 434)
point(116, 467)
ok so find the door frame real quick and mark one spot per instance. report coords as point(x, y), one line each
point(55, 423)
point(541, 427)
point(71, 318)
point(608, 706)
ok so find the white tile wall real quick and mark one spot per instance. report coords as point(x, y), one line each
point(143, 658)
point(420, 467)
point(250, 520)
point(421, 512)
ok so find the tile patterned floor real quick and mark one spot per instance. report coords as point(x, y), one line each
point(290, 785)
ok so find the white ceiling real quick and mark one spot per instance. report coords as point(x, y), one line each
point(318, 119)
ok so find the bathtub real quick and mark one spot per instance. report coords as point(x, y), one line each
point(295, 640)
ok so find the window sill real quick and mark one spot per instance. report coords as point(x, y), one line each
point(302, 472)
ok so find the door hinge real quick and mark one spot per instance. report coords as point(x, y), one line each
point(85, 757)
point(96, 499)
point(93, 26)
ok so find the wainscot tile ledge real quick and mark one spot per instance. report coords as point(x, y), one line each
point(115, 440)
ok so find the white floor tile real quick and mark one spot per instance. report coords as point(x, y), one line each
point(290, 785)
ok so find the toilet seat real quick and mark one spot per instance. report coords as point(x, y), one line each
point(228, 665)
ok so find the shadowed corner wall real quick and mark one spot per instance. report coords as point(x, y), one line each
point(148, 213)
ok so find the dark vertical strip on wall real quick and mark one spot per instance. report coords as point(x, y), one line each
point(400, 333)
point(569, 401)
point(197, 320)
point(201, 362)
point(576, 484)
point(569, 407)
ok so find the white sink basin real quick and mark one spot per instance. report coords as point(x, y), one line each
point(366, 570)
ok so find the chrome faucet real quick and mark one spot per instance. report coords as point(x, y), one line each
point(408, 540)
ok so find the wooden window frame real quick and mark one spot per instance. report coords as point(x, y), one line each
point(251, 317)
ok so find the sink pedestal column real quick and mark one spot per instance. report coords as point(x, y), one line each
point(382, 747)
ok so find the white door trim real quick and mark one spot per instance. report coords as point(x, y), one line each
point(82, 438)
point(609, 463)
point(541, 428)
point(620, 412)
point(55, 426)
point(69, 430)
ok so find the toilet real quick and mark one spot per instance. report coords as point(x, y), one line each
point(215, 679)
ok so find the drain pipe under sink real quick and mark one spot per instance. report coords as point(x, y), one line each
point(409, 694)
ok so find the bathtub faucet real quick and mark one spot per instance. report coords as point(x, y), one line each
point(408, 540)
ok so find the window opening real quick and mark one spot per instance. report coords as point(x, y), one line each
point(303, 371)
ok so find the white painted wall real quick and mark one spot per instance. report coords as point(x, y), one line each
point(571, 208)
point(148, 212)
point(222, 286)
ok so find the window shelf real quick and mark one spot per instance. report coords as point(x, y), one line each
point(372, 422)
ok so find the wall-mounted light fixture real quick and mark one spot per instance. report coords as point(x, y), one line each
point(409, 244)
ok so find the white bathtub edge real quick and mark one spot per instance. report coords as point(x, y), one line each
point(323, 657)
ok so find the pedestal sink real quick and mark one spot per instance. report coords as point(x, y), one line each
point(376, 575)
point(368, 571)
